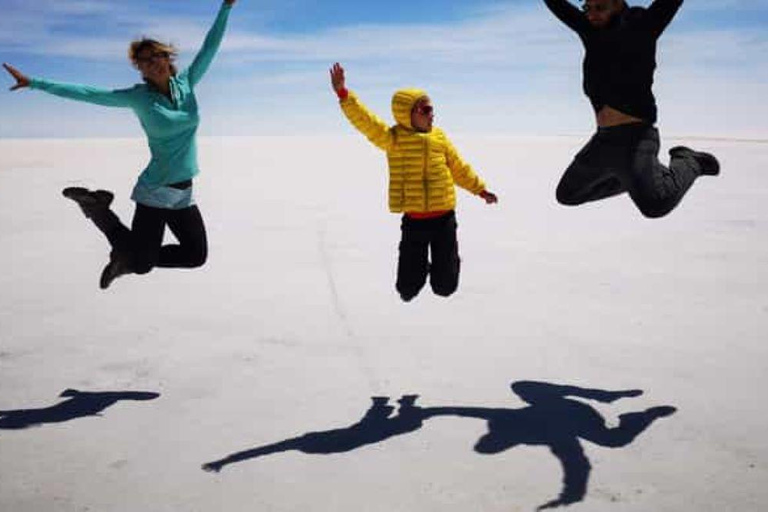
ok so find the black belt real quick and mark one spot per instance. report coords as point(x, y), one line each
point(182, 185)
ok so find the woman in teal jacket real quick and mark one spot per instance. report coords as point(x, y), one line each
point(167, 109)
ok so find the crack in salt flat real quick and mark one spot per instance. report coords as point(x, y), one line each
point(341, 314)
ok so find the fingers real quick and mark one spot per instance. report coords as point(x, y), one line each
point(21, 80)
point(337, 71)
point(490, 197)
point(337, 76)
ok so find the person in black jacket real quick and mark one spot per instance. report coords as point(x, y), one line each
point(618, 68)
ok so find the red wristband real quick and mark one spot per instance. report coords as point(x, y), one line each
point(342, 93)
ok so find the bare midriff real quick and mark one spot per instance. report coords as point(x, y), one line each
point(609, 116)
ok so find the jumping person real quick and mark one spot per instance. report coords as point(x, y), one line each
point(620, 44)
point(167, 109)
point(423, 167)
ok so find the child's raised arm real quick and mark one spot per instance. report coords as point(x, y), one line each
point(368, 123)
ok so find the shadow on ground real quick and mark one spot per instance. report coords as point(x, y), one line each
point(78, 404)
point(552, 418)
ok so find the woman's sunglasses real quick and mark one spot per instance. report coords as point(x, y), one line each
point(152, 58)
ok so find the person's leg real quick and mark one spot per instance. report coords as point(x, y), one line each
point(147, 237)
point(630, 426)
point(96, 206)
point(192, 250)
point(413, 263)
point(444, 271)
point(655, 188)
point(590, 176)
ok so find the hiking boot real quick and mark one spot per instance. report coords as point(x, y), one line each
point(118, 266)
point(708, 164)
point(90, 202)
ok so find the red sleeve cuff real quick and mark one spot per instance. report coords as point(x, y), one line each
point(342, 94)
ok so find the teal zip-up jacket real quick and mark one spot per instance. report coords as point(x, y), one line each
point(170, 124)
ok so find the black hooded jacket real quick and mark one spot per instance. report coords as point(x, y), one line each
point(620, 58)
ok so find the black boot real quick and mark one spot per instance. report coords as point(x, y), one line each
point(119, 265)
point(92, 203)
point(708, 164)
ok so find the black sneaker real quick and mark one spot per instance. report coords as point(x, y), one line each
point(118, 266)
point(707, 162)
point(89, 202)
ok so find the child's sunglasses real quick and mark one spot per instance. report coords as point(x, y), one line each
point(425, 110)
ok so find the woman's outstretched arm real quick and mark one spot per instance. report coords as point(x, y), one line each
point(85, 93)
point(207, 52)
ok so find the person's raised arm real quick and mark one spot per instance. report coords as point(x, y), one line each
point(368, 123)
point(207, 52)
point(660, 13)
point(85, 93)
point(569, 14)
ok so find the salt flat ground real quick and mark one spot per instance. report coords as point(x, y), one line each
point(294, 324)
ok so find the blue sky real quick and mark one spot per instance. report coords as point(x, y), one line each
point(490, 66)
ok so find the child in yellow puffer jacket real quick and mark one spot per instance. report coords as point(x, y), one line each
point(423, 168)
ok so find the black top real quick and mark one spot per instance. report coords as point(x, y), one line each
point(621, 57)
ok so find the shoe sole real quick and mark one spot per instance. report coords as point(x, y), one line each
point(708, 163)
point(87, 199)
point(77, 194)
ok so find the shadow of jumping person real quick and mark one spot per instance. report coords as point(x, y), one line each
point(554, 420)
point(79, 404)
point(376, 425)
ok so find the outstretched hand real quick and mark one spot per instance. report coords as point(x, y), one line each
point(337, 78)
point(490, 197)
point(21, 79)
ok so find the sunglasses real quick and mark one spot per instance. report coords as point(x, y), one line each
point(595, 7)
point(425, 110)
point(152, 58)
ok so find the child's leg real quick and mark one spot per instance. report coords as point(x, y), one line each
point(444, 272)
point(192, 250)
point(413, 263)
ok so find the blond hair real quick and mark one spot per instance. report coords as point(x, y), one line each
point(156, 46)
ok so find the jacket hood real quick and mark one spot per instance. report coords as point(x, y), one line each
point(402, 105)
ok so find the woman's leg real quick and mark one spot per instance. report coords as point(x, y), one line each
point(144, 251)
point(137, 249)
point(147, 237)
point(96, 206)
point(192, 250)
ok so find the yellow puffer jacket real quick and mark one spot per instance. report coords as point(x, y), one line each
point(423, 167)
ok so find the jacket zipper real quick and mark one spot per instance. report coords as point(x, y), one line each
point(425, 177)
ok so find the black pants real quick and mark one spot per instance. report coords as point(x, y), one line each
point(419, 237)
point(142, 244)
point(625, 159)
